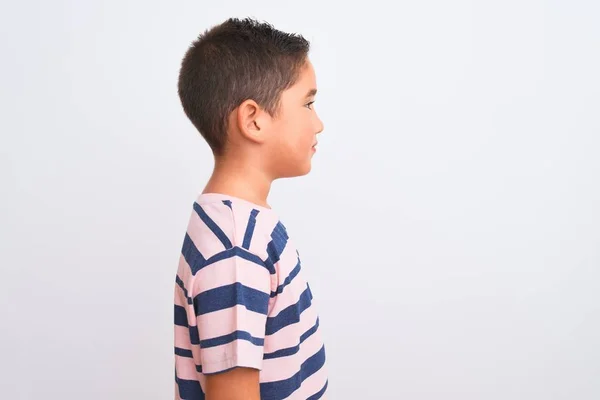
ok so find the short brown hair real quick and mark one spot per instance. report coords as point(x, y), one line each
point(233, 62)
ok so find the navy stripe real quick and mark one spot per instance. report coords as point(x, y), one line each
point(230, 295)
point(189, 390)
point(228, 203)
point(180, 316)
point(183, 352)
point(282, 389)
point(212, 226)
point(279, 239)
point(229, 253)
point(194, 336)
point(288, 280)
point(269, 265)
point(290, 315)
point(320, 393)
point(250, 229)
point(182, 286)
point(191, 254)
point(238, 252)
point(292, 350)
point(181, 320)
point(237, 335)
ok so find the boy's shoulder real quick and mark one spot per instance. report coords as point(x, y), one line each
point(221, 222)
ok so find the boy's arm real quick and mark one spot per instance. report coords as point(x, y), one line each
point(235, 384)
point(230, 297)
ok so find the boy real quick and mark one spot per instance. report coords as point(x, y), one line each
point(245, 326)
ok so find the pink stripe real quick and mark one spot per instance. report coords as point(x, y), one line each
point(179, 298)
point(287, 260)
point(241, 215)
point(224, 322)
point(207, 243)
point(224, 218)
point(202, 379)
point(232, 270)
point(265, 223)
point(182, 338)
point(276, 369)
point(290, 295)
point(186, 368)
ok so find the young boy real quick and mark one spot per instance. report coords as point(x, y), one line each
point(245, 325)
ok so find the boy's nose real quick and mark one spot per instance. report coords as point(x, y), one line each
point(320, 126)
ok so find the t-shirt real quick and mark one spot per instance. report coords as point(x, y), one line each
point(241, 300)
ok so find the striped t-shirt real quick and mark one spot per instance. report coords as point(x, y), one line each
point(241, 300)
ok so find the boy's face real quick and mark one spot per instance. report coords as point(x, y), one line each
point(293, 137)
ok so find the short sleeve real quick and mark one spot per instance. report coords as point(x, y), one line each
point(231, 296)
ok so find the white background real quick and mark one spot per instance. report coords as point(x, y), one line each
point(450, 226)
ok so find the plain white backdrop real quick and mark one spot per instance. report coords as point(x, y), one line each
point(450, 227)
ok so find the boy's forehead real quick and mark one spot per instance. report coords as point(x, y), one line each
point(308, 72)
point(306, 85)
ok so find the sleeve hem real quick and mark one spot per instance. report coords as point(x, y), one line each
point(229, 364)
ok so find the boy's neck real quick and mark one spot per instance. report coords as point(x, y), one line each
point(241, 181)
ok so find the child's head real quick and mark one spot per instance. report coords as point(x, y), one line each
point(248, 89)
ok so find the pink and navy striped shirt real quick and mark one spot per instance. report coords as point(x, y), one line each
point(241, 300)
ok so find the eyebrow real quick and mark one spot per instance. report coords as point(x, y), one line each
point(311, 93)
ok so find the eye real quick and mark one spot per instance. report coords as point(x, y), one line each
point(309, 105)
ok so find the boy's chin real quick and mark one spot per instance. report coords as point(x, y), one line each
point(295, 171)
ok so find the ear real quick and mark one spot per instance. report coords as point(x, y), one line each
point(252, 121)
